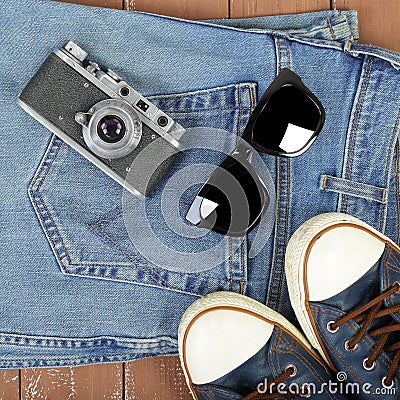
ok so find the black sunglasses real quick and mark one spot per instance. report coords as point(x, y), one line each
point(285, 122)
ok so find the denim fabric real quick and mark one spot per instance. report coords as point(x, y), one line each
point(74, 288)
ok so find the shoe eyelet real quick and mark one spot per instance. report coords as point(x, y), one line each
point(349, 348)
point(305, 395)
point(329, 327)
point(294, 368)
point(385, 385)
point(368, 368)
point(398, 285)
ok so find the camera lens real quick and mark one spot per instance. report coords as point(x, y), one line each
point(111, 129)
point(114, 129)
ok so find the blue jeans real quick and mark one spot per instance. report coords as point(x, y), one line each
point(74, 287)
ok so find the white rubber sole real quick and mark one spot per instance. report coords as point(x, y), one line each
point(233, 301)
point(296, 253)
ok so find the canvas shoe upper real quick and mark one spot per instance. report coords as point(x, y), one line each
point(232, 347)
point(344, 285)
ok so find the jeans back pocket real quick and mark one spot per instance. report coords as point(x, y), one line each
point(83, 211)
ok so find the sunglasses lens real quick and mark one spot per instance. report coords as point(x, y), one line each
point(232, 200)
point(287, 122)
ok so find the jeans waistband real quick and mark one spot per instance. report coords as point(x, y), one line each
point(334, 25)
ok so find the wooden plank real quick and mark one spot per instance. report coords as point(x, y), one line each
point(98, 3)
point(188, 9)
point(378, 21)
point(9, 385)
point(99, 381)
point(159, 378)
point(252, 8)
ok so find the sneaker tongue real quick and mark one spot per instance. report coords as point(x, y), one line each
point(389, 266)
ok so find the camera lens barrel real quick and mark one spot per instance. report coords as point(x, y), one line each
point(114, 129)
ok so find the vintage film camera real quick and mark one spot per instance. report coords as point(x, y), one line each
point(103, 118)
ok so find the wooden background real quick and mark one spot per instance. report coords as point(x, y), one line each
point(161, 378)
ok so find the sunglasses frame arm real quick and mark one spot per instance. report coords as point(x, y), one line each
point(285, 77)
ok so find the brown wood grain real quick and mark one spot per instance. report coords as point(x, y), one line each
point(252, 8)
point(9, 385)
point(98, 3)
point(92, 382)
point(159, 378)
point(189, 9)
point(379, 21)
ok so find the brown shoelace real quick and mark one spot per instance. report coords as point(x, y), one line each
point(366, 314)
point(272, 391)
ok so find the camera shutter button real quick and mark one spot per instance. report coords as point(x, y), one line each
point(93, 67)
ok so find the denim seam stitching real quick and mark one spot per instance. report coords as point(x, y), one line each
point(36, 197)
point(238, 129)
point(354, 124)
point(188, 111)
point(78, 343)
point(359, 107)
point(278, 196)
point(388, 266)
point(289, 56)
point(280, 237)
point(230, 265)
point(223, 91)
point(397, 190)
point(238, 125)
point(390, 151)
point(274, 350)
point(65, 361)
point(164, 98)
point(277, 226)
point(386, 269)
point(243, 281)
point(331, 28)
point(243, 264)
